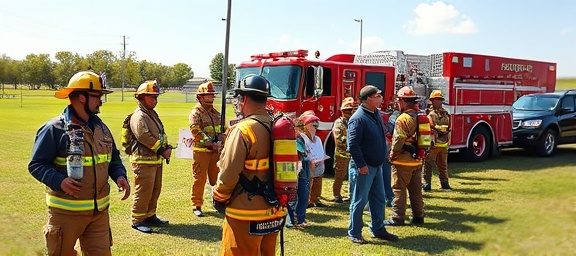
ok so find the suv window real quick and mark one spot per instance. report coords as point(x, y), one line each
point(568, 103)
point(537, 102)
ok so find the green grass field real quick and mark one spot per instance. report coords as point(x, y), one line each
point(517, 204)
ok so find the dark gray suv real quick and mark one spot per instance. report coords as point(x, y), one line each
point(544, 120)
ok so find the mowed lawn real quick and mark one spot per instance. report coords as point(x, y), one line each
point(516, 204)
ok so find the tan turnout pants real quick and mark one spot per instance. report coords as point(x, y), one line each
point(203, 166)
point(407, 178)
point(65, 227)
point(147, 188)
point(340, 172)
point(438, 156)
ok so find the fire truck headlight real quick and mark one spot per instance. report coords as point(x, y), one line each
point(531, 123)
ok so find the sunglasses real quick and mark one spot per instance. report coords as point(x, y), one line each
point(102, 97)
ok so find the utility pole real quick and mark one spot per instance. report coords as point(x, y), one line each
point(225, 67)
point(123, 66)
point(361, 23)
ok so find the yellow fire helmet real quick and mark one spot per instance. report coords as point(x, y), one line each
point(436, 94)
point(206, 88)
point(84, 81)
point(149, 87)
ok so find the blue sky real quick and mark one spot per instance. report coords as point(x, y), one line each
point(192, 31)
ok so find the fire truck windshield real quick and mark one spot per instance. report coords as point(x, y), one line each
point(284, 80)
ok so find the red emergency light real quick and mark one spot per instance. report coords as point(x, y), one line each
point(286, 54)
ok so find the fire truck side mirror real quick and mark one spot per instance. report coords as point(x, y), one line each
point(318, 81)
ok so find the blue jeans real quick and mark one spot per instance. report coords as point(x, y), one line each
point(366, 189)
point(387, 174)
point(303, 192)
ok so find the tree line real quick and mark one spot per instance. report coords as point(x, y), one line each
point(38, 70)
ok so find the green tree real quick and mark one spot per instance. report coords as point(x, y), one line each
point(4, 63)
point(37, 71)
point(216, 67)
point(216, 70)
point(66, 66)
point(132, 71)
point(13, 73)
point(178, 75)
point(101, 61)
point(151, 70)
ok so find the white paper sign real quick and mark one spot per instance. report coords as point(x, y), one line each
point(184, 149)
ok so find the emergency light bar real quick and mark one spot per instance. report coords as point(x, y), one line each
point(287, 54)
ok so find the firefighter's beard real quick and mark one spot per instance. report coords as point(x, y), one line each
point(89, 111)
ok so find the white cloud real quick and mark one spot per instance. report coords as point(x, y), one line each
point(565, 31)
point(371, 44)
point(284, 38)
point(439, 18)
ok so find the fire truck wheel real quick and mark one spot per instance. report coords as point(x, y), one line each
point(546, 143)
point(479, 145)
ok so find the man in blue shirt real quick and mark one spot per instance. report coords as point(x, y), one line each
point(367, 146)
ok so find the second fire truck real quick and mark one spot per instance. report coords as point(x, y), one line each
point(479, 89)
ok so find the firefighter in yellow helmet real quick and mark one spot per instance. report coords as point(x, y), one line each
point(251, 222)
point(204, 122)
point(406, 166)
point(440, 124)
point(74, 155)
point(342, 157)
point(149, 151)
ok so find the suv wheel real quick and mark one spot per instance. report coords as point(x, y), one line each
point(546, 143)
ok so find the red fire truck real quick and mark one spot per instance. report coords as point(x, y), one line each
point(479, 89)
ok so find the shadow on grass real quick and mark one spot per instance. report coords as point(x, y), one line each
point(476, 179)
point(432, 244)
point(323, 231)
point(200, 232)
point(452, 219)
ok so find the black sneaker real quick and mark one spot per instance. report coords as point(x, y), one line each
point(427, 187)
point(142, 227)
point(417, 220)
point(320, 204)
point(386, 236)
point(198, 212)
point(154, 220)
point(445, 186)
point(338, 199)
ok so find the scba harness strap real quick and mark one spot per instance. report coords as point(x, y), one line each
point(257, 186)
